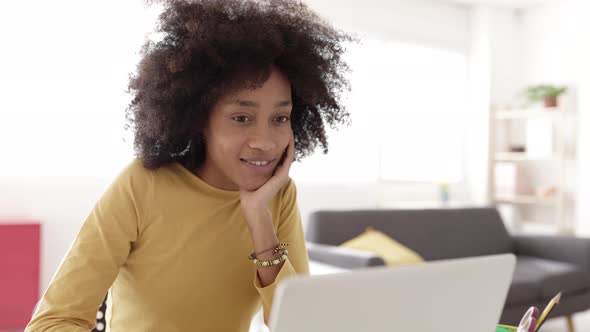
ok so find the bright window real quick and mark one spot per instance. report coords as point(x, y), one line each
point(64, 74)
point(407, 109)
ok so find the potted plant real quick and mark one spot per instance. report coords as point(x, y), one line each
point(547, 93)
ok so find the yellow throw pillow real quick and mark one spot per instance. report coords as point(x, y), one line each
point(392, 252)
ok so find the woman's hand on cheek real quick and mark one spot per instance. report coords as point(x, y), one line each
point(255, 203)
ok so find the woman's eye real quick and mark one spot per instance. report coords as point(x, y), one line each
point(241, 118)
point(282, 119)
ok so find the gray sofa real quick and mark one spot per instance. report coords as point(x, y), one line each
point(545, 264)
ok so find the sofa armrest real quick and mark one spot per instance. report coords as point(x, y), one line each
point(342, 257)
point(575, 250)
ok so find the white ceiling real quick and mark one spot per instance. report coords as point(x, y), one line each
point(516, 4)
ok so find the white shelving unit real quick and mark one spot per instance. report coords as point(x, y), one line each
point(531, 149)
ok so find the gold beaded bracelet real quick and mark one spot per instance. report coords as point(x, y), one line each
point(274, 249)
point(279, 249)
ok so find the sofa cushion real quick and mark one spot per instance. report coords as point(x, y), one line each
point(522, 290)
point(538, 279)
point(392, 252)
point(433, 233)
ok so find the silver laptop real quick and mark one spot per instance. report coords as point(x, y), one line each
point(458, 295)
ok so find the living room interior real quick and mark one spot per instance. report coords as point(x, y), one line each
point(467, 118)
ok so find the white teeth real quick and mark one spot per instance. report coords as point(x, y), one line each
point(258, 163)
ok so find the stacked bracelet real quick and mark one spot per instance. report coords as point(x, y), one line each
point(275, 249)
point(280, 249)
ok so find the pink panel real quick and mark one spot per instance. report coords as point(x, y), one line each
point(19, 271)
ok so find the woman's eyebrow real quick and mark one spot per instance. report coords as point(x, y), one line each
point(249, 103)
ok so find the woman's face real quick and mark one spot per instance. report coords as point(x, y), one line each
point(247, 133)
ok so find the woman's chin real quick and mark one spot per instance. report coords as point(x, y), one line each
point(252, 184)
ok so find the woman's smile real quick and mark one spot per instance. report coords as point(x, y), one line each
point(259, 166)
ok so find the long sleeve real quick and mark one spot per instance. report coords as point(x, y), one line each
point(290, 231)
point(92, 263)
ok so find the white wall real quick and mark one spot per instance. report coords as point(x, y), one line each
point(476, 160)
point(494, 78)
point(60, 203)
point(432, 23)
point(555, 49)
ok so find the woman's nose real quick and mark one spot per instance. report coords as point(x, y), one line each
point(262, 139)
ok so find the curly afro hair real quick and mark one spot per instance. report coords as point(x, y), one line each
point(213, 47)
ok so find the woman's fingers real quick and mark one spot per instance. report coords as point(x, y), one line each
point(283, 170)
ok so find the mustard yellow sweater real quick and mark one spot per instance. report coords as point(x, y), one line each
point(173, 251)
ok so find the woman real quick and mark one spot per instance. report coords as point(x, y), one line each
point(197, 231)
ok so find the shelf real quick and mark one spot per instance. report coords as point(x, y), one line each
point(554, 113)
point(519, 179)
point(526, 200)
point(521, 156)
